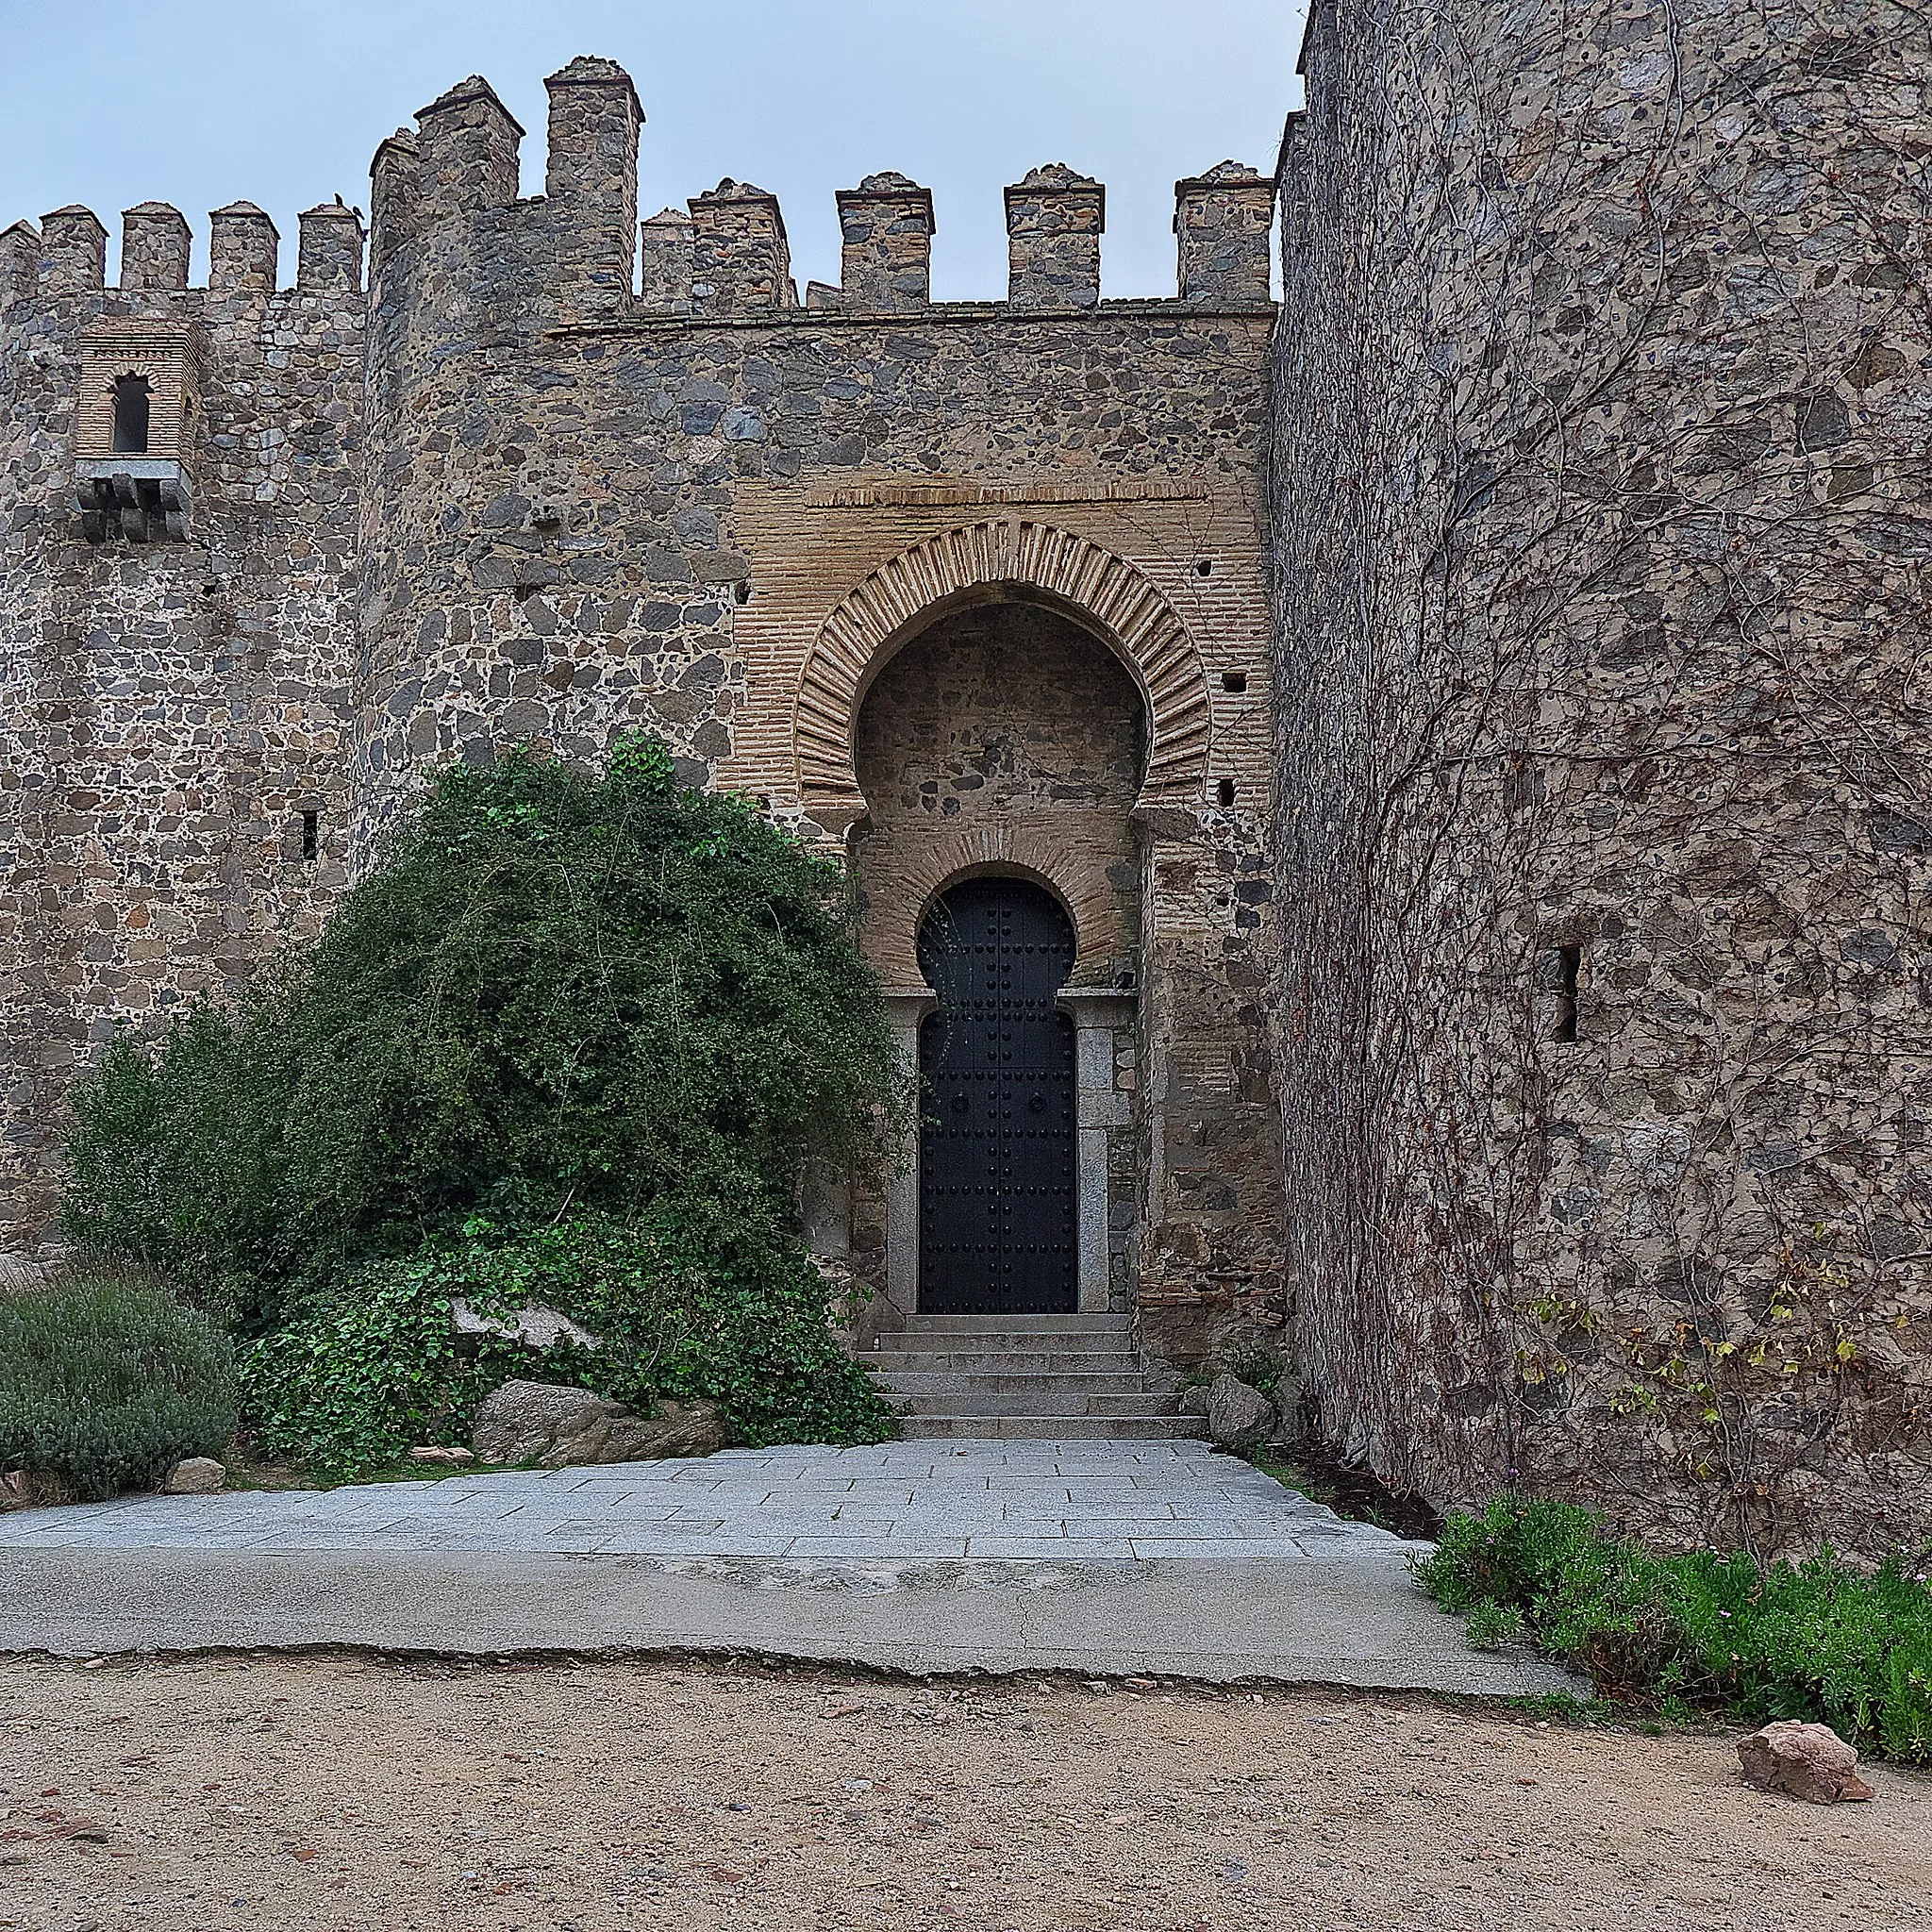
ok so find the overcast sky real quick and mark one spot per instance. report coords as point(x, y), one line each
point(202, 102)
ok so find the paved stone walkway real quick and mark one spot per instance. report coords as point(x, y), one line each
point(1095, 1557)
point(1077, 1501)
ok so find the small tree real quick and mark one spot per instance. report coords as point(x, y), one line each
point(557, 990)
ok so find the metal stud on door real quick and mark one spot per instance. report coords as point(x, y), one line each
point(996, 1197)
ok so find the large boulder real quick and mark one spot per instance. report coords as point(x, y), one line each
point(1809, 1761)
point(1239, 1417)
point(555, 1426)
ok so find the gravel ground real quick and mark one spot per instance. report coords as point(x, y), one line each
point(340, 1792)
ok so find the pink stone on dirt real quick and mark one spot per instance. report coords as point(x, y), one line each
point(1808, 1761)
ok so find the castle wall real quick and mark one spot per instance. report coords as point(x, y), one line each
point(559, 510)
point(168, 709)
point(1604, 542)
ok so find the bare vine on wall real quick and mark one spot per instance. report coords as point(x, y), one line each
point(1604, 571)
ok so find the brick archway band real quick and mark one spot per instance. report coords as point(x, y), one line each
point(1099, 590)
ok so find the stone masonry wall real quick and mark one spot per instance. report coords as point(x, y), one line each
point(1604, 546)
point(168, 710)
point(551, 510)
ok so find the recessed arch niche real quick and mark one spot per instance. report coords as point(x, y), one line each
point(1000, 559)
point(1002, 739)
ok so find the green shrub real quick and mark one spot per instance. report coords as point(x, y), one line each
point(1252, 1363)
point(688, 1301)
point(581, 991)
point(170, 1156)
point(1492, 1625)
point(1822, 1640)
point(107, 1382)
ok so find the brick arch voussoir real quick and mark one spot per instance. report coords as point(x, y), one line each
point(890, 940)
point(881, 613)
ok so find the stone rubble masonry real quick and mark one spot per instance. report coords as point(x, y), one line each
point(167, 710)
point(502, 497)
point(396, 197)
point(591, 179)
point(1055, 219)
point(73, 251)
point(1603, 547)
point(740, 259)
point(154, 247)
point(330, 251)
point(886, 260)
point(20, 261)
point(467, 142)
point(244, 248)
point(669, 262)
point(1224, 226)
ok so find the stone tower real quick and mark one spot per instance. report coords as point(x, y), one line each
point(1603, 552)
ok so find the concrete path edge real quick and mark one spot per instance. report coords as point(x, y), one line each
point(1356, 1622)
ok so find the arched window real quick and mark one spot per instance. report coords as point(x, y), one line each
point(130, 415)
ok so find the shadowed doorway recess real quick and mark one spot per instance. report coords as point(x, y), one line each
point(996, 1196)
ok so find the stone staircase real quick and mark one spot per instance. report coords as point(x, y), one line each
point(1026, 1375)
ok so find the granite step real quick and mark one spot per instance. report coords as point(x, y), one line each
point(987, 1362)
point(997, 1325)
point(1045, 1398)
point(1047, 1429)
point(1078, 1341)
point(1128, 1379)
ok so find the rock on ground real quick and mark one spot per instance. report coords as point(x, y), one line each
point(1239, 1417)
point(1289, 1427)
point(1809, 1761)
point(199, 1476)
point(555, 1426)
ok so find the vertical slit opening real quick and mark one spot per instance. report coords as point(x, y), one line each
point(1569, 965)
point(311, 822)
point(1224, 792)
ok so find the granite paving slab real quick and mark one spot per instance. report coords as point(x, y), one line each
point(1097, 1554)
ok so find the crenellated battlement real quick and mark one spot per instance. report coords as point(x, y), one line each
point(20, 263)
point(67, 256)
point(726, 257)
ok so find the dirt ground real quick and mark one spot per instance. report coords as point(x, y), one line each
point(339, 1792)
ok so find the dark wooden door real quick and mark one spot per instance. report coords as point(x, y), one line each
point(996, 1206)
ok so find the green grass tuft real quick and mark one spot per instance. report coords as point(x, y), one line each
point(1702, 1632)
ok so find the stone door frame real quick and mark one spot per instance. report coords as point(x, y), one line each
point(1097, 1013)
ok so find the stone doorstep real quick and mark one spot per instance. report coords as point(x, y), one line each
point(1030, 1368)
point(1125, 1381)
point(1006, 1340)
point(996, 1328)
point(994, 1429)
point(960, 1361)
point(1048, 1399)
